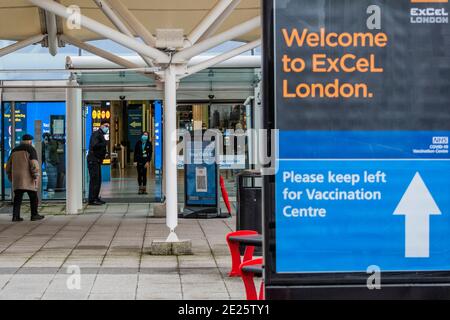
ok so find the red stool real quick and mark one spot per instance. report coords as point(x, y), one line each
point(250, 269)
point(233, 244)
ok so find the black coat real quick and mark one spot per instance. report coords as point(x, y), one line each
point(138, 154)
point(97, 147)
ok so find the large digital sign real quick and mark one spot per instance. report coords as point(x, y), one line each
point(363, 89)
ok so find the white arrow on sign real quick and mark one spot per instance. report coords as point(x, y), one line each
point(135, 124)
point(417, 205)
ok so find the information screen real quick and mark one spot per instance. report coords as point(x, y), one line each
point(200, 174)
point(363, 88)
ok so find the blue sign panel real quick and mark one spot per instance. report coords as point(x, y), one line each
point(134, 129)
point(336, 215)
point(158, 135)
point(200, 174)
point(363, 167)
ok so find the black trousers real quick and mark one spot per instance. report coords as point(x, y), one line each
point(142, 174)
point(95, 179)
point(34, 201)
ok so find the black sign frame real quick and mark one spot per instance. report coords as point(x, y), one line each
point(395, 285)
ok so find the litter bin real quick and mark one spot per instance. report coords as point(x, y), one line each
point(249, 202)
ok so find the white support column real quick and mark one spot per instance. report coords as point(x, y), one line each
point(258, 123)
point(214, 41)
point(170, 147)
point(21, 44)
point(74, 157)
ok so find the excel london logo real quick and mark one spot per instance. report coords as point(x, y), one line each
point(429, 12)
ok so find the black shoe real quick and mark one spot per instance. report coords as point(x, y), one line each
point(36, 217)
point(17, 219)
point(95, 203)
point(101, 201)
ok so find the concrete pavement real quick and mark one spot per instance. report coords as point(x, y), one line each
point(103, 254)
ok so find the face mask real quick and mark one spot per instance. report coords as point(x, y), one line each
point(105, 130)
point(144, 138)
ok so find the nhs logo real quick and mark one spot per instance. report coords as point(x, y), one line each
point(440, 140)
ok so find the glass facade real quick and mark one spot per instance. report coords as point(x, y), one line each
point(128, 118)
point(46, 122)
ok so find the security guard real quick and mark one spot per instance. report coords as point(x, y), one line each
point(97, 153)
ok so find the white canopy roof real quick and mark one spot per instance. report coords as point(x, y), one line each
point(19, 19)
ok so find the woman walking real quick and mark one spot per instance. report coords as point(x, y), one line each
point(143, 157)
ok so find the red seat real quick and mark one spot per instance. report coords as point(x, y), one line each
point(248, 271)
point(235, 253)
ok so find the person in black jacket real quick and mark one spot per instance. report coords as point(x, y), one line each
point(97, 153)
point(143, 157)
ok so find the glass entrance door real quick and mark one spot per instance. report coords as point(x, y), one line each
point(128, 119)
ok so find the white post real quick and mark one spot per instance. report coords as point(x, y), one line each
point(74, 156)
point(170, 147)
point(258, 125)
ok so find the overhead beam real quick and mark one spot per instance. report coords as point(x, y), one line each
point(221, 58)
point(93, 62)
point(105, 31)
point(133, 22)
point(220, 20)
point(52, 33)
point(99, 52)
point(216, 40)
point(21, 44)
point(208, 21)
point(117, 22)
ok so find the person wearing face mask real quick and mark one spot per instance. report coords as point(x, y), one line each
point(97, 153)
point(143, 157)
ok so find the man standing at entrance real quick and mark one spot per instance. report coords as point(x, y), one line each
point(97, 153)
point(143, 157)
point(23, 172)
